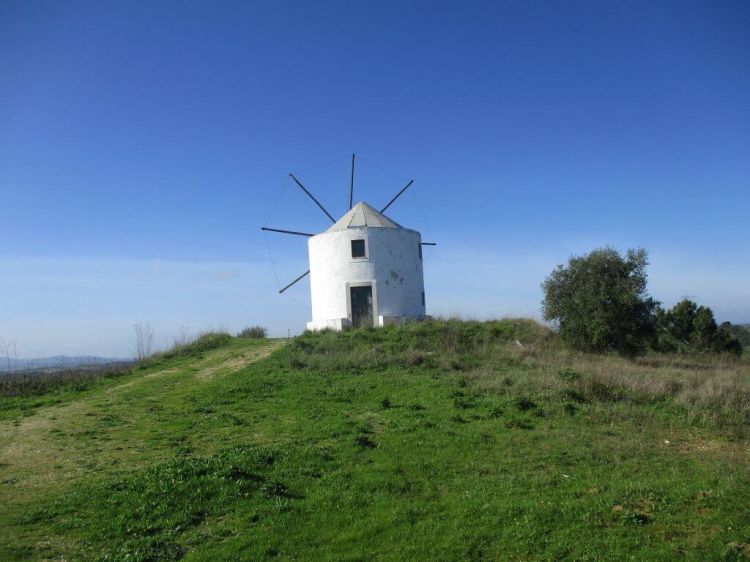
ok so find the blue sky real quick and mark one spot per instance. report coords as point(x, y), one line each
point(143, 144)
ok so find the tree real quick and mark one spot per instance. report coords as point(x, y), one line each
point(599, 301)
point(741, 332)
point(688, 327)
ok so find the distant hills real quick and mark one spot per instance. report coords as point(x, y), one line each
point(55, 362)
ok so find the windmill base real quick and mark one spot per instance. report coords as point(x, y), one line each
point(339, 324)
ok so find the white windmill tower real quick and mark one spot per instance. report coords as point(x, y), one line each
point(365, 270)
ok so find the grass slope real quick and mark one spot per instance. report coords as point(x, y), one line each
point(446, 440)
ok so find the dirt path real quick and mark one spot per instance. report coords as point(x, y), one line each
point(107, 431)
point(236, 361)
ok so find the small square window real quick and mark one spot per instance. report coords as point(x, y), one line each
point(358, 248)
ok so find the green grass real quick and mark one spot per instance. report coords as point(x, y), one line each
point(436, 441)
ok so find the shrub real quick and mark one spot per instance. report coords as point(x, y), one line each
point(524, 404)
point(365, 442)
point(253, 333)
point(568, 374)
point(570, 408)
point(496, 412)
point(599, 302)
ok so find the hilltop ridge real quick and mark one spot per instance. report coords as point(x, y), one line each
point(439, 440)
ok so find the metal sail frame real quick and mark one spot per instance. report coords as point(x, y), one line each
point(322, 208)
point(351, 186)
point(407, 186)
point(300, 278)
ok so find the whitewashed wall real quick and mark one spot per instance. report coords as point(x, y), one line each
point(392, 265)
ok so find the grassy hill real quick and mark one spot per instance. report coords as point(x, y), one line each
point(435, 441)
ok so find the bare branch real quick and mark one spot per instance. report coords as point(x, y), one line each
point(144, 338)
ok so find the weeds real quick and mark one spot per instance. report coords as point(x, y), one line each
point(147, 511)
point(496, 412)
point(712, 389)
point(365, 442)
point(524, 404)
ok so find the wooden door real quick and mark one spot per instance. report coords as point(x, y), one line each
point(361, 306)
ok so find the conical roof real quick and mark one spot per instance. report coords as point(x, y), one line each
point(363, 215)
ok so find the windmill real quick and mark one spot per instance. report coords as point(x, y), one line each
point(365, 270)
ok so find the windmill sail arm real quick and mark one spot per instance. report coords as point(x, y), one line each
point(351, 185)
point(311, 196)
point(300, 278)
point(283, 231)
point(407, 186)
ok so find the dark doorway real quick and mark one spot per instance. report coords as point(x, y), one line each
point(361, 306)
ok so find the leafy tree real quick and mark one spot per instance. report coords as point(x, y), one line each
point(688, 327)
point(600, 303)
point(739, 331)
point(727, 340)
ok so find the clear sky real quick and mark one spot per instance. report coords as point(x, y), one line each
point(143, 144)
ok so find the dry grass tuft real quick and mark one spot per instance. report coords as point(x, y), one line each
point(709, 388)
point(518, 356)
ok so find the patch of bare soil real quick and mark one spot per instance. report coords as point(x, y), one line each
point(236, 362)
point(689, 444)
